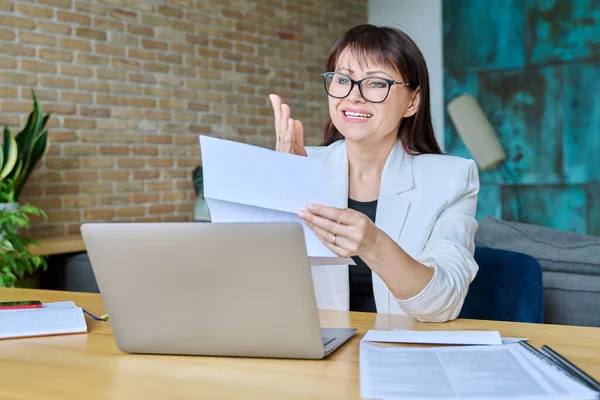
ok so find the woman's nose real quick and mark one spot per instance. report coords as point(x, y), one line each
point(355, 96)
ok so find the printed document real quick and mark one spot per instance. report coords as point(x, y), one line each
point(245, 183)
point(469, 372)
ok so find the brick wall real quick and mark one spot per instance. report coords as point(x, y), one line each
point(131, 84)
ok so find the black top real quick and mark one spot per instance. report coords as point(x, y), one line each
point(361, 281)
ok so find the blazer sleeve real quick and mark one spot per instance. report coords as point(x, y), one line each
point(449, 251)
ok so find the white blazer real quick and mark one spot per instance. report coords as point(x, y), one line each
point(427, 205)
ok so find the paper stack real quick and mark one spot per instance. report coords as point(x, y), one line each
point(491, 371)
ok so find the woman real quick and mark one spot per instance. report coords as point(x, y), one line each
point(404, 211)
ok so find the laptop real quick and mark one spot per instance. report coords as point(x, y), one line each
point(211, 289)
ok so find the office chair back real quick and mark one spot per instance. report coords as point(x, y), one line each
point(507, 287)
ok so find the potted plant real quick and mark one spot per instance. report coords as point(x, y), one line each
point(201, 211)
point(18, 158)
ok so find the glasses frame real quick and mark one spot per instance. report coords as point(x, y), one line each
point(358, 83)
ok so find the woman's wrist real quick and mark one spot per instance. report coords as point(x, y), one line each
point(373, 253)
point(403, 275)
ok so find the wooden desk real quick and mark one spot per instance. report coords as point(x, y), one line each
point(91, 367)
point(52, 245)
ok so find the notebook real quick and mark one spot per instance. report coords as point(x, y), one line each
point(52, 319)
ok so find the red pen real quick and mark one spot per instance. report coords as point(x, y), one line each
point(14, 305)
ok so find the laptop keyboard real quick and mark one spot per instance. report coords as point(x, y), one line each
point(327, 340)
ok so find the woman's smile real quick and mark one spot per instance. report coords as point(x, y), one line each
point(356, 116)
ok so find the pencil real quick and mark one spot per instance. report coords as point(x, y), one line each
point(566, 364)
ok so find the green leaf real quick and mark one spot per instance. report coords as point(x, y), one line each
point(27, 137)
point(10, 153)
point(6, 244)
point(34, 121)
point(38, 150)
point(11, 277)
point(6, 130)
point(30, 208)
point(28, 267)
point(12, 175)
point(45, 122)
point(29, 126)
point(37, 261)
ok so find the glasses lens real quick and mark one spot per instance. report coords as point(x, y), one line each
point(374, 89)
point(338, 85)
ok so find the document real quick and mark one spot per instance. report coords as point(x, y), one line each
point(434, 337)
point(245, 183)
point(470, 372)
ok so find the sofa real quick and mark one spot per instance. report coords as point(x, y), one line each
point(570, 267)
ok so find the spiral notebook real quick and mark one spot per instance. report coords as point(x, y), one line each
point(52, 319)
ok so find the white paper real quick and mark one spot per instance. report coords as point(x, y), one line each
point(324, 261)
point(59, 304)
point(470, 372)
point(257, 176)
point(223, 211)
point(434, 337)
point(245, 183)
point(42, 321)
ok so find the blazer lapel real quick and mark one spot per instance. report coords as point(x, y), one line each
point(336, 164)
point(397, 177)
point(392, 207)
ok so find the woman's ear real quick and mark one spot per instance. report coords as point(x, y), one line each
point(414, 103)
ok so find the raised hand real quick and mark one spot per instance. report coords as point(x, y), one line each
point(289, 133)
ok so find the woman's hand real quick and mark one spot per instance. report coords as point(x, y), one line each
point(289, 133)
point(346, 232)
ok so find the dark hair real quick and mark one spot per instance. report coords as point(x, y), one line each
point(393, 48)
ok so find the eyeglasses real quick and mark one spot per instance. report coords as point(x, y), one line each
point(374, 90)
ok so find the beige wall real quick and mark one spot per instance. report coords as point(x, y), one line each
point(131, 84)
